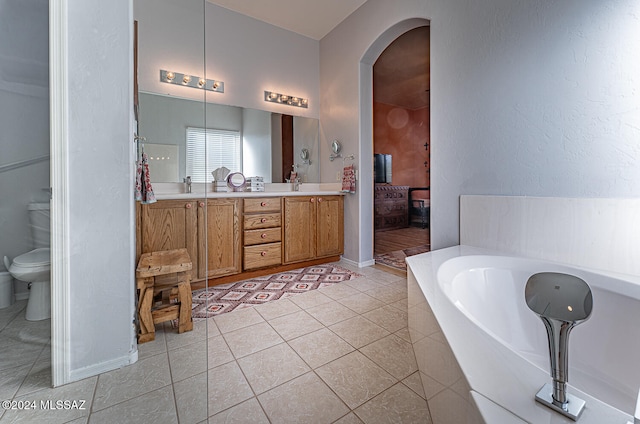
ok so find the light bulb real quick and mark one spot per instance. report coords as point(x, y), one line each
point(202, 82)
point(186, 79)
point(170, 76)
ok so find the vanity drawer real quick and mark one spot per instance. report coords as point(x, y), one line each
point(264, 204)
point(262, 255)
point(260, 236)
point(263, 220)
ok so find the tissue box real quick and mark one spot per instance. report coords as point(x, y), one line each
point(220, 186)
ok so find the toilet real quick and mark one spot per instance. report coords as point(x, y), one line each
point(34, 267)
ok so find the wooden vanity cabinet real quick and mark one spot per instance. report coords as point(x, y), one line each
point(168, 225)
point(262, 232)
point(219, 236)
point(329, 226)
point(313, 227)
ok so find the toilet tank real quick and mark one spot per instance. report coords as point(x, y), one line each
point(40, 222)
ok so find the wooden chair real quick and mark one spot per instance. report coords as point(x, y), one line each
point(163, 280)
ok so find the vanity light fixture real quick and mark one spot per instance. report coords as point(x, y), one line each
point(273, 97)
point(171, 77)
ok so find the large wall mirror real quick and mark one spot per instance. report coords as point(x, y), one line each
point(178, 128)
point(173, 126)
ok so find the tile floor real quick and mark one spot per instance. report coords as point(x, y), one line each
point(336, 355)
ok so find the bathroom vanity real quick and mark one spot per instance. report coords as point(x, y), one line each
point(235, 236)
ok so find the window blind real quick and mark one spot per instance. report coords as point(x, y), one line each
point(209, 149)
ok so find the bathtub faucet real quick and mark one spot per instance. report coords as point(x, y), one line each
point(562, 301)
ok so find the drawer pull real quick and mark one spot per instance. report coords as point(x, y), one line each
point(202, 204)
point(263, 235)
point(188, 206)
point(263, 220)
point(263, 253)
point(319, 199)
point(263, 204)
point(313, 199)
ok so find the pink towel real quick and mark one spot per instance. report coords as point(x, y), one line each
point(349, 179)
point(144, 191)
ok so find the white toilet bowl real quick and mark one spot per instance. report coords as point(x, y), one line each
point(34, 267)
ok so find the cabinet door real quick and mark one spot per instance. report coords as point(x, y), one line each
point(170, 224)
point(299, 228)
point(219, 232)
point(330, 226)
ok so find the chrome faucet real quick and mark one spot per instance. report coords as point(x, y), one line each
point(187, 181)
point(562, 301)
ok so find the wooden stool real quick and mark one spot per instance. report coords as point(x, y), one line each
point(166, 275)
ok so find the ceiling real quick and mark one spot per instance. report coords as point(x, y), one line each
point(294, 15)
point(401, 73)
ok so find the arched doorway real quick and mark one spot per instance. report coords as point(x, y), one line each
point(369, 215)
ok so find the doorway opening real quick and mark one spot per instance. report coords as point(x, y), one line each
point(401, 147)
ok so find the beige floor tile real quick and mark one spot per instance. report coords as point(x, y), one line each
point(271, 367)
point(350, 418)
point(320, 347)
point(363, 284)
point(248, 340)
point(227, 387)
point(359, 331)
point(310, 299)
point(152, 408)
point(295, 325)
point(415, 383)
point(394, 355)
point(305, 399)
point(331, 313)
point(235, 320)
point(361, 303)
point(277, 308)
point(79, 391)
point(401, 304)
point(125, 383)
point(397, 405)
point(191, 398)
point(218, 352)
point(154, 347)
point(388, 317)
point(11, 379)
point(388, 294)
point(177, 340)
point(188, 361)
point(338, 291)
point(248, 411)
point(404, 334)
point(39, 378)
point(355, 378)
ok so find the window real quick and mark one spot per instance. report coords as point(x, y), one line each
point(222, 148)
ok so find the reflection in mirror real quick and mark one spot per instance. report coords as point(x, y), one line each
point(243, 140)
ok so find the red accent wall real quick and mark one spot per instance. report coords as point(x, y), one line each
point(402, 133)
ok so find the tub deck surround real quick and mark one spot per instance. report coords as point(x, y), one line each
point(501, 346)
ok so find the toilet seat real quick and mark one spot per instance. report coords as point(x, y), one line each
point(35, 258)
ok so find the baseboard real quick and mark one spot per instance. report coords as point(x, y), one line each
point(358, 264)
point(95, 369)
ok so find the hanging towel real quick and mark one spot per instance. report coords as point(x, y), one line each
point(349, 179)
point(144, 191)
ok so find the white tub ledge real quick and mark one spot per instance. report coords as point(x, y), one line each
point(473, 374)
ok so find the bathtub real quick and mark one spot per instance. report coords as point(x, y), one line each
point(477, 298)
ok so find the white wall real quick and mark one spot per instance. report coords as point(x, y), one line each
point(256, 144)
point(530, 98)
point(24, 121)
point(100, 190)
point(250, 56)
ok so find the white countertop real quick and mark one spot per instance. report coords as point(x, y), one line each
point(170, 191)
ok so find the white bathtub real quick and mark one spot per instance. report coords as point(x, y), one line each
point(501, 346)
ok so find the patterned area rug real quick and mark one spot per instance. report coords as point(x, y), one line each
point(395, 259)
point(223, 298)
